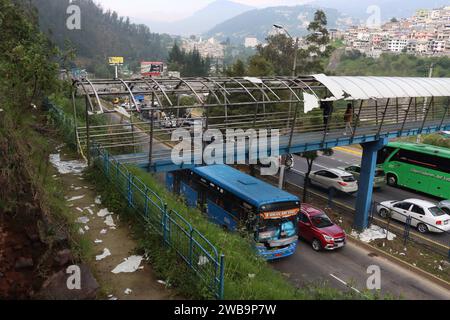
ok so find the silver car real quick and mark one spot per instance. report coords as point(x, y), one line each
point(334, 179)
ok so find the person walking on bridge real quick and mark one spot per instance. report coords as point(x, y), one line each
point(348, 118)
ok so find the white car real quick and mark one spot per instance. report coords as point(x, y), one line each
point(425, 215)
point(334, 179)
point(445, 205)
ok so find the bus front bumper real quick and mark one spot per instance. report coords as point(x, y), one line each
point(275, 253)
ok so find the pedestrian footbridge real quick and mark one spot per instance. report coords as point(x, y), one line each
point(139, 120)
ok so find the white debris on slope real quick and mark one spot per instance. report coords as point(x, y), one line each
point(64, 167)
point(373, 233)
point(83, 220)
point(128, 291)
point(130, 264)
point(104, 212)
point(98, 200)
point(202, 260)
point(110, 222)
point(75, 198)
point(106, 253)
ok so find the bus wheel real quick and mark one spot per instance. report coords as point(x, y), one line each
point(316, 245)
point(422, 228)
point(392, 180)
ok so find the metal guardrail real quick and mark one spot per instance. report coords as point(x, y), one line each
point(196, 251)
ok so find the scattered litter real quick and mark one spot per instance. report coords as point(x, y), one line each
point(162, 282)
point(414, 264)
point(110, 222)
point(92, 205)
point(79, 209)
point(89, 210)
point(98, 200)
point(130, 264)
point(86, 228)
point(106, 253)
point(70, 205)
point(81, 231)
point(373, 233)
point(86, 187)
point(112, 298)
point(80, 178)
point(1, 110)
point(75, 198)
point(83, 220)
point(104, 212)
point(77, 188)
point(251, 275)
point(141, 268)
point(440, 268)
point(128, 291)
point(402, 254)
point(63, 167)
point(202, 260)
point(98, 241)
point(103, 231)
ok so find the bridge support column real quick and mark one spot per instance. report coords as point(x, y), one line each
point(365, 187)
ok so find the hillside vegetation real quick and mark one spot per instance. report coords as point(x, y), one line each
point(102, 34)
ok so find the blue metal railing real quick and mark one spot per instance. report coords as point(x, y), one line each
point(199, 254)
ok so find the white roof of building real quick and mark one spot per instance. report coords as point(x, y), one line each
point(363, 88)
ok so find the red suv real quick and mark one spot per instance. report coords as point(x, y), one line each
point(316, 228)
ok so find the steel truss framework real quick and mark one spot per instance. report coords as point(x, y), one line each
point(142, 130)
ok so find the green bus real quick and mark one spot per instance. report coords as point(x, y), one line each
point(419, 167)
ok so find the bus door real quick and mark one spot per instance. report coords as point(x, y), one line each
point(190, 194)
point(220, 216)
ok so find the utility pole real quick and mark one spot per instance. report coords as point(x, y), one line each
point(294, 73)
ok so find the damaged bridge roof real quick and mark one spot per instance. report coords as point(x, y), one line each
point(363, 88)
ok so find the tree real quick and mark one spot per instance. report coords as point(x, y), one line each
point(259, 66)
point(310, 157)
point(279, 51)
point(237, 69)
point(311, 59)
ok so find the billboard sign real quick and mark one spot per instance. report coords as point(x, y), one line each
point(114, 61)
point(151, 69)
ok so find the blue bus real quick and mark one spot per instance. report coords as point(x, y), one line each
point(237, 201)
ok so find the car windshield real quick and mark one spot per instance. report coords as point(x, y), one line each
point(321, 221)
point(348, 179)
point(435, 211)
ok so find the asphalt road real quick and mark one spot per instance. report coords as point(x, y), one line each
point(342, 159)
point(346, 269)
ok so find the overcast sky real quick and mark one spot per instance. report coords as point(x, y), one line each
point(170, 10)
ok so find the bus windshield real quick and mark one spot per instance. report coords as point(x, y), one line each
point(274, 229)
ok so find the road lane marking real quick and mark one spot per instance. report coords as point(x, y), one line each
point(345, 283)
point(349, 150)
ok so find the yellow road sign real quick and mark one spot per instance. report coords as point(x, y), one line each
point(115, 60)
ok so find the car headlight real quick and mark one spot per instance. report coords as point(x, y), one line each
point(328, 238)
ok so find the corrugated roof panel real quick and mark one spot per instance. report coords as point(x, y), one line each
point(384, 87)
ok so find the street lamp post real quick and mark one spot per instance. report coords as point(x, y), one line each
point(294, 73)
